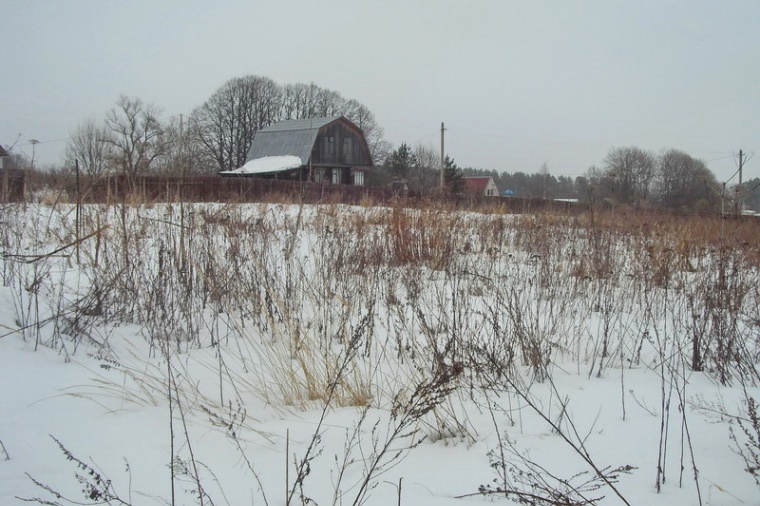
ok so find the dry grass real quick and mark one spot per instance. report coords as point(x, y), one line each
point(444, 290)
point(416, 311)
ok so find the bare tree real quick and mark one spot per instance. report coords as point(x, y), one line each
point(630, 171)
point(224, 126)
point(683, 182)
point(87, 145)
point(135, 135)
point(226, 123)
point(182, 156)
point(305, 100)
point(296, 101)
point(328, 103)
point(544, 174)
point(425, 176)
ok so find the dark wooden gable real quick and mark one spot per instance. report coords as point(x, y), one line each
point(340, 143)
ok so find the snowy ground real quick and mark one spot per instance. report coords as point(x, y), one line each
point(107, 399)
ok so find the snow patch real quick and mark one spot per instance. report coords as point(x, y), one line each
point(267, 164)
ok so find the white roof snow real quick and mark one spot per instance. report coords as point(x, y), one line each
point(267, 165)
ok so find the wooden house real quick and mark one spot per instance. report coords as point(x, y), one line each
point(12, 181)
point(481, 186)
point(321, 150)
point(3, 155)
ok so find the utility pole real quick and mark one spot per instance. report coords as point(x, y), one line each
point(34, 143)
point(739, 207)
point(78, 215)
point(5, 178)
point(442, 158)
point(182, 145)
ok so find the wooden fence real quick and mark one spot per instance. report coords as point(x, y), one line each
point(246, 189)
point(124, 189)
point(222, 189)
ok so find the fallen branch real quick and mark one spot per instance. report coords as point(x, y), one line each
point(35, 258)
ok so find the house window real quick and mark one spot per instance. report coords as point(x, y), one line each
point(330, 145)
point(359, 178)
point(348, 148)
point(318, 176)
point(336, 173)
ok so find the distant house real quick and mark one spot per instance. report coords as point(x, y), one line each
point(321, 150)
point(12, 187)
point(481, 186)
point(3, 155)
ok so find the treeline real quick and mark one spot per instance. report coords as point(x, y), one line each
point(628, 176)
point(418, 170)
point(536, 185)
point(750, 194)
point(635, 177)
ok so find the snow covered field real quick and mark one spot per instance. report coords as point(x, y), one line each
point(275, 354)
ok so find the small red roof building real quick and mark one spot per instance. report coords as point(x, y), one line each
point(481, 185)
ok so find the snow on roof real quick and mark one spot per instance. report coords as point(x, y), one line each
point(267, 165)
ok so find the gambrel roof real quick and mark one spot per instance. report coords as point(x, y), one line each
point(291, 137)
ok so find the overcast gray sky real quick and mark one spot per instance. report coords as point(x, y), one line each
point(518, 83)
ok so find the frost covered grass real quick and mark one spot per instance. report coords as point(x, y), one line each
point(284, 354)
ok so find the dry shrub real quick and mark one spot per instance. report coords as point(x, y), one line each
point(367, 202)
point(422, 238)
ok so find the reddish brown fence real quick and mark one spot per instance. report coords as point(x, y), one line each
point(223, 189)
point(246, 189)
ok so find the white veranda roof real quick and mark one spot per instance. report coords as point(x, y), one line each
point(267, 165)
